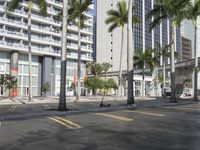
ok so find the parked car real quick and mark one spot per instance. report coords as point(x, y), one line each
point(167, 91)
point(187, 93)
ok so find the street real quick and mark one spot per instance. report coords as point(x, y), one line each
point(160, 128)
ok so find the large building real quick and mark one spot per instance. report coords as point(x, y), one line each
point(186, 53)
point(108, 44)
point(46, 47)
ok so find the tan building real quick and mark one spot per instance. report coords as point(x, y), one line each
point(186, 49)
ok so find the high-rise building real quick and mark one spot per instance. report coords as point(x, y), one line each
point(186, 53)
point(108, 44)
point(46, 47)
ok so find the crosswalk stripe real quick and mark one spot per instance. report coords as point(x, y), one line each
point(146, 113)
point(115, 117)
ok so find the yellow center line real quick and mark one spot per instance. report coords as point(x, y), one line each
point(114, 116)
point(69, 122)
point(60, 122)
point(146, 113)
point(10, 108)
point(13, 109)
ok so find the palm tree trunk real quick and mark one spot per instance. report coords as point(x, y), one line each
point(143, 83)
point(196, 64)
point(104, 92)
point(62, 99)
point(79, 64)
point(173, 77)
point(120, 65)
point(130, 54)
point(29, 50)
point(164, 75)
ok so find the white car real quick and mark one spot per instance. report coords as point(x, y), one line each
point(187, 93)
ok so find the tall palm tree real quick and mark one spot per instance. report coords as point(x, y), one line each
point(175, 11)
point(164, 52)
point(12, 5)
point(130, 53)
point(119, 18)
point(145, 59)
point(62, 98)
point(193, 11)
point(76, 14)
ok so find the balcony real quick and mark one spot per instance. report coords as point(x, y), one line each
point(24, 48)
point(55, 3)
point(35, 39)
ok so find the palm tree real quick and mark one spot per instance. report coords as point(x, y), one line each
point(164, 52)
point(119, 18)
point(130, 53)
point(145, 59)
point(95, 70)
point(105, 68)
point(193, 13)
point(76, 14)
point(12, 5)
point(62, 98)
point(175, 11)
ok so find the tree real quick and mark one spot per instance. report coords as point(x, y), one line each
point(105, 68)
point(94, 83)
point(193, 11)
point(12, 5)
point(119, 18)
point(46, 87)
point(130, 53)
point(108, 84)
point(62, 98)
point(144, 60)
point(8, 82)
point(174, 11)
point(94, 68)
point(76, 15)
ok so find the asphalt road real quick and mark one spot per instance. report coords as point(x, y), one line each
point(164, 128)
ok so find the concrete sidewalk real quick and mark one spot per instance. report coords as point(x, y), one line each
point(53, 99)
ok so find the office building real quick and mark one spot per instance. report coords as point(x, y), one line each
point(186, 52)
point(46, 47)
point(108, 44)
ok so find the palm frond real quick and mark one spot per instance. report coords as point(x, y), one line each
point(13, 4)
point(43, 7)
point(112, 27)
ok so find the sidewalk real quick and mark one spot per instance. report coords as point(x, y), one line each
point(26, 109)
point(54, 99)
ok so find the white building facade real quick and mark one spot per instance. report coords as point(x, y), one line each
point(46, 47)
